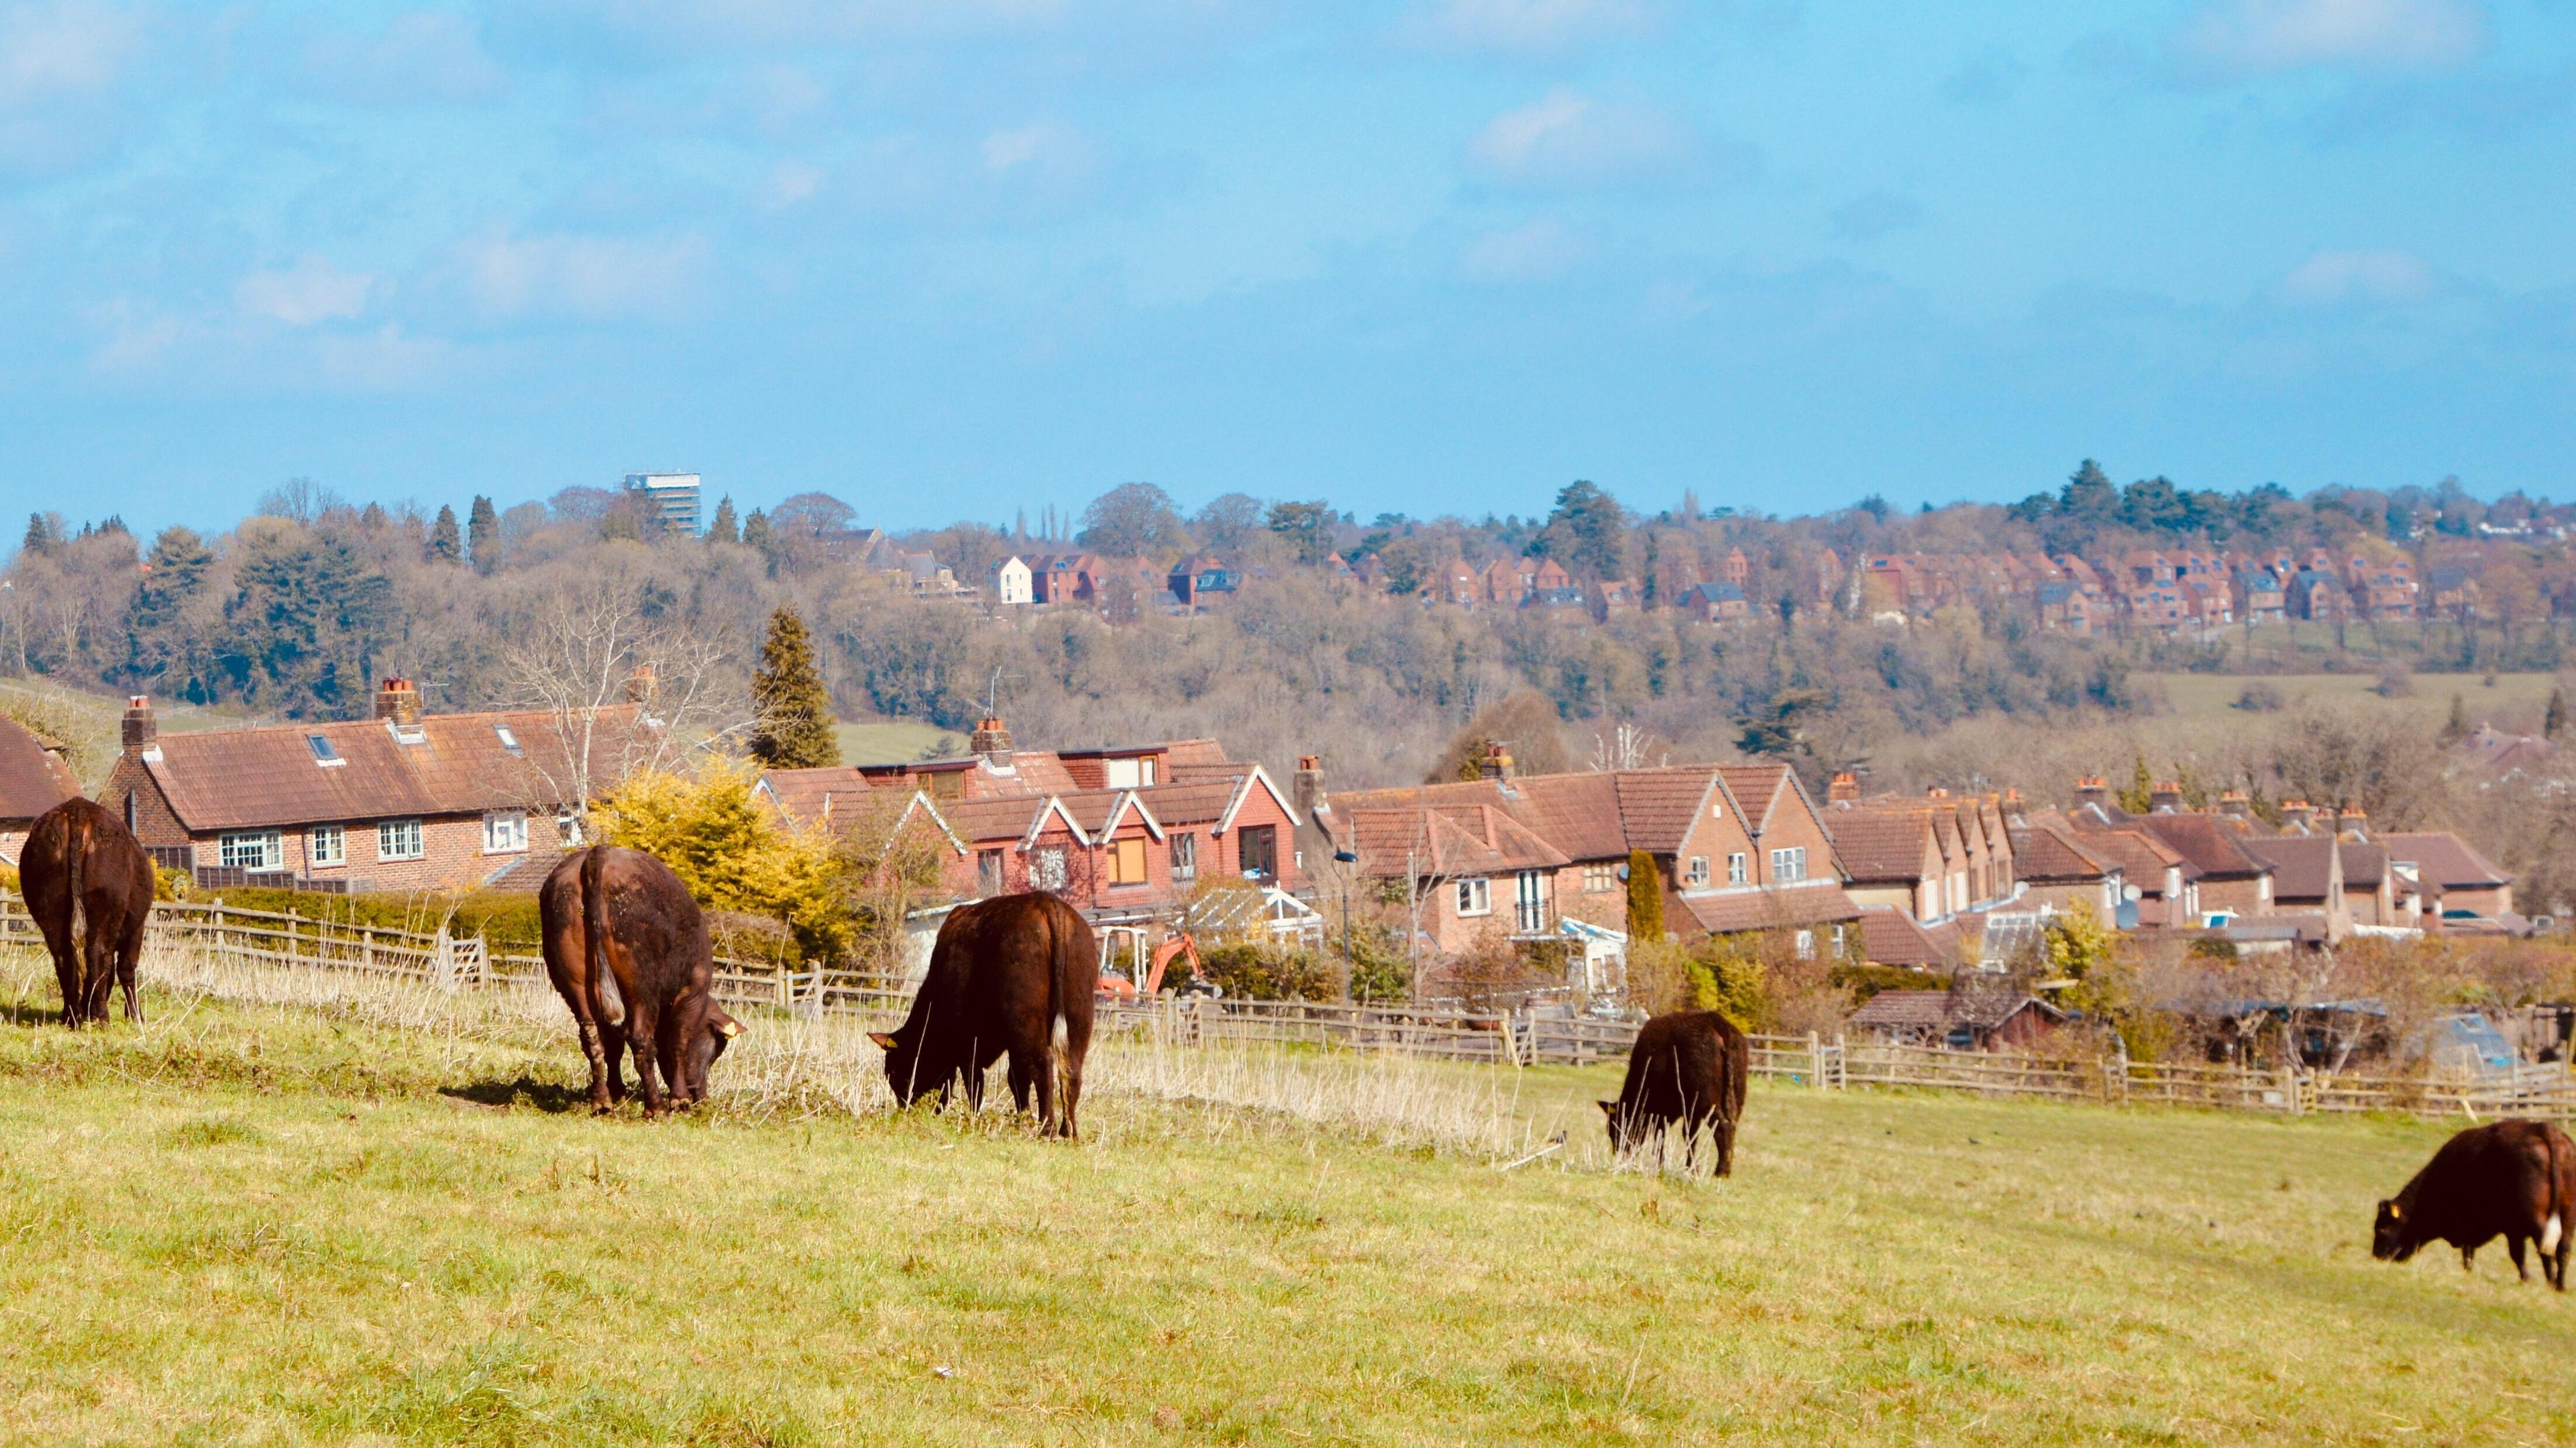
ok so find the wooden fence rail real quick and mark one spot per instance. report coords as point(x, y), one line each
point(1524, 1037)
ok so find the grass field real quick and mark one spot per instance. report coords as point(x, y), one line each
point(894, 741)
point(2214, 696)
point(252, 1223)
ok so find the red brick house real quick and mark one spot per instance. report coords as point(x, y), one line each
point(402, 801)
point(33, 779)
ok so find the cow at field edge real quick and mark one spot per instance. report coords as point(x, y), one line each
point(1690, 1067)
point(627, 949)
point(1012, 975)
point(89, 885)
point(2511, 1179)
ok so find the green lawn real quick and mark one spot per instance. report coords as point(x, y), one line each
point(254, 1224)
point(2209, 696)
point(894, 741)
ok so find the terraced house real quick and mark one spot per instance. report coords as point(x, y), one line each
point(400, 801)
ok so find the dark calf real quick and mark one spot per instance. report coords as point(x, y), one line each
point(1010, 976)
point(1690, 1067)
point(89, 885)
point(2510, 1179)
point(627, 949)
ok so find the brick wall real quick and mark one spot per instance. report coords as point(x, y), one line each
point(154, 821)
point(452, 856)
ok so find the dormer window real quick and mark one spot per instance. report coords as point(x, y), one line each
point(407, 733)
point(325, 753)
point(509, 741)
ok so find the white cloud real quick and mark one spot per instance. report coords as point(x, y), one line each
point(1044, 145)
point(66, 48)
point(591, 278)
point(310, 292)
point(1542, 249)
point(1569, 141)
point(2343, 278)
point(1529, 27)
point(424, 56)
point(2231, 38)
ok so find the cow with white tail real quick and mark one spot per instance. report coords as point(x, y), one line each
point(2511, 1179)
point(1012, 976)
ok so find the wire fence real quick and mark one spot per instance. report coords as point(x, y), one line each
point(1523, 1036)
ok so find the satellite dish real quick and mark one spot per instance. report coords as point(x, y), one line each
point(2131, 893)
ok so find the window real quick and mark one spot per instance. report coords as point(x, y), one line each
point(129, 812)
point(1136, 773)
point(1736, 873)
point(1806, 945)
point(1529, 907)
point(509, 741)
point(1259, 846)
point(398, 840)
point(326, 845)
point(505, 832)
point(1600, 876)
point(1046, 868)
point(1126, 862)
point(1185, 858)
point(1789, 865)
point(253, 850)
point(1696, 872)
point(1475, 897)
point(988, 872)
point(324, 753)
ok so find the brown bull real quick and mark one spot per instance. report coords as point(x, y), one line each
point(89, 885)
point(627, 949)
point(2513, 1179)
point(1009, 976)
point(1689, 1068)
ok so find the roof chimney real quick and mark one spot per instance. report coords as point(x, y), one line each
point(641, 684)
point(2090, 789)
point(2234, 804)
point(2353, 824)
point(1936, 792)
point(1845, 788)
point(992, 741)
point(398, 699)
point(2011, 805)
point(2165, 798)
point(2295, 815)
point(1497, 763)
point(142, 731)
point(1307, 789)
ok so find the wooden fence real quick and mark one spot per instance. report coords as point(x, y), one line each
point(1524, 1037)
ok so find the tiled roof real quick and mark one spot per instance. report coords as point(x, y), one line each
point(2302, 865)
point(1453, 841)
point(2444, 859)
point(1880, 843)
point(800, 793)
point(1753, 785)
point(1903, 1009)
point(2364, 866)
point(1892, 937)
point(1726, 912)
point(2141, 857)
point(2047, 855)
point(252, 778)
point(991, 822)
point(2205, 842)
point(1595, 816)
point(33, 779)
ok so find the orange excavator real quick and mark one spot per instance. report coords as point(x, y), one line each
point(1177, 945)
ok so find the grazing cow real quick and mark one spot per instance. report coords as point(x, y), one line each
point(1010, 975)
point(89, 885)
point(2511, 1179)
point(627, 949)
point(1689, 1067)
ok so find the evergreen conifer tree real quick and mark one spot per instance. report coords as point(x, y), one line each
point(756, 533)
point(2457, 726)
point(446, 544)
point(483, 535)
point(1645, 899)
point(723, 530)
point(2555, 721)
point(42, 533)
point(793, 728)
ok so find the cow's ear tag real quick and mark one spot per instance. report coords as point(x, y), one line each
point(882, 1039)
point(1609, 1108)
point(730, 1029)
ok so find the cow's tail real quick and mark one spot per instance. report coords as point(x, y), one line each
point(2556, 1227)
point(75, 858)
point(1068, 974)
point(605, 1001)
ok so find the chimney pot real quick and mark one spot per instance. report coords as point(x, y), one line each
point(1845, 788)
point(398, 699)
point(2234, 803)
point(641, 684)
point(1497, 763)
point(2165, 798)
point(992, 741)
point(1307, 788)
point(142, 730)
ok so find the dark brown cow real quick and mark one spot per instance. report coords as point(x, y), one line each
point(1011, 976)
point(2511, 1179)
point(1690, 1067)
point(627, 949)
point(89, 885)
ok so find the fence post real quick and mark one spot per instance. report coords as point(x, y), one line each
point(786, 988)
point(1815, 1061)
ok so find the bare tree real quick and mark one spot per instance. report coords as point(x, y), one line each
point(586, 653)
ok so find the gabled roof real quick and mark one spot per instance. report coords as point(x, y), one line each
point(2444, 859)
point(1444, 840)
point(2201, 839)
point(1728, 912)
point(1893, 937)
point(2141, 857)
point(1881, 844)
point(1015, 819)
point(1599, 815)
point(1099, 812)
point(33, 779)
point(461, 764)
point(2302, 866)
point(2046, 854)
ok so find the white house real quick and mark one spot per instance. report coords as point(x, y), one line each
point(1011, 582)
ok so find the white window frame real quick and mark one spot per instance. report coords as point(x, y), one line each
point(1529, 902)
point(1738, 868)
point(326, 847)
point(1185, 857)
point(505, 832)
point(1806, 944)
point(1695, 873)
point(1789, 865)
point(389, 838)
point(236, 850)
point(1600, 877)
point(1475, 897)
point(1048, 868)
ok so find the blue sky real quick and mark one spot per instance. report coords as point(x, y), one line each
point(955, 257)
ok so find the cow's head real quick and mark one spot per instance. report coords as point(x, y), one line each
point(903, 1065)
point(2389, 1239)
point(715, 1032)
point(1618, 1125)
